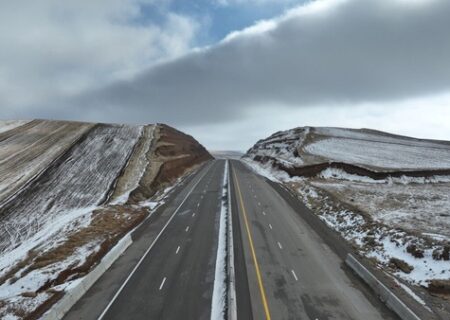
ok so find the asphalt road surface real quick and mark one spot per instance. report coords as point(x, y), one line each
point(291, 272)
point(283, 269)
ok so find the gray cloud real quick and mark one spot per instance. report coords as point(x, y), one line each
point(52, 48)
point(327, 52)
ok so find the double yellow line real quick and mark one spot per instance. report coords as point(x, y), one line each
point(252, 249)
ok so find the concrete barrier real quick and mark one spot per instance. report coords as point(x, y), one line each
point(71, 297)
point(386, 295)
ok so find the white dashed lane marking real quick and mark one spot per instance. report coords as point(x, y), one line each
point(162, 283)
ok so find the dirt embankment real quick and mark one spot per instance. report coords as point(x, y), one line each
point(172, 154)
point(158, 158)
point(315, 169)
point(28, 150)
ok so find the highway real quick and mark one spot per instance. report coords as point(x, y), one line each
point(291, 272)
point(174, 280)
point(283, 269)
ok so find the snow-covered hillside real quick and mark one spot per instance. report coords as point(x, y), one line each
point(6, 125)
point(68, 192)
point(30, 148)
point(369, 149)
point(388, 195)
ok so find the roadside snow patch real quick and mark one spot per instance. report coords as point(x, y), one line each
point(218, 304)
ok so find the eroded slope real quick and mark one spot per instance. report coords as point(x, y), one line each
point(79, 202)
point(386, 194)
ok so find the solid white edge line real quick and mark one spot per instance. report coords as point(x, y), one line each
point(162, 283)
point(149, 248)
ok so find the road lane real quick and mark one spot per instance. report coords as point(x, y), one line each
point(301, 276)
point(174, 279)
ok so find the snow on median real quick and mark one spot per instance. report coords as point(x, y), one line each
point(218, 304)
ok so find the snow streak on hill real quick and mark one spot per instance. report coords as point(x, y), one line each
point(68, 192)
point(81, 178)
point(386, 194)
point(369, 149)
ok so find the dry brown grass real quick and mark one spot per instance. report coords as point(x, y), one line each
point(172, 155)
point(16, 268)
point(107, 226)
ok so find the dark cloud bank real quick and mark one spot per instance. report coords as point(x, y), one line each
point(351, 52)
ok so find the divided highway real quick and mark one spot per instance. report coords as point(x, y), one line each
point(283, 269)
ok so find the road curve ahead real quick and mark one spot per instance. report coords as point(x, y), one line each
point(291, 272)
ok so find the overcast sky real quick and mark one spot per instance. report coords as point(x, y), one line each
point(230, 72)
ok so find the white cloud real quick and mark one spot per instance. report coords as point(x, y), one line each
point(425, 117)
point(340, 52)
point(353, 63)
point(250, 2)
point(53, 47)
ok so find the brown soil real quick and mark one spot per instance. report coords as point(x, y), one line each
point(173, 154)
point(108, 225)
point(129, 172)
point(41, 140)
point(400, 265)
point(442, 253)
point(439, 287)
point(315, 169)
point(414, 251)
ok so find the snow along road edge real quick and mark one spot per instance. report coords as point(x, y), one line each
point(219, 297)
point(71, 297)
point(386, 295)
point(232, 309)
point(151, 245)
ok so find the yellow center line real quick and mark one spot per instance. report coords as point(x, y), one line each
point(252, 249)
